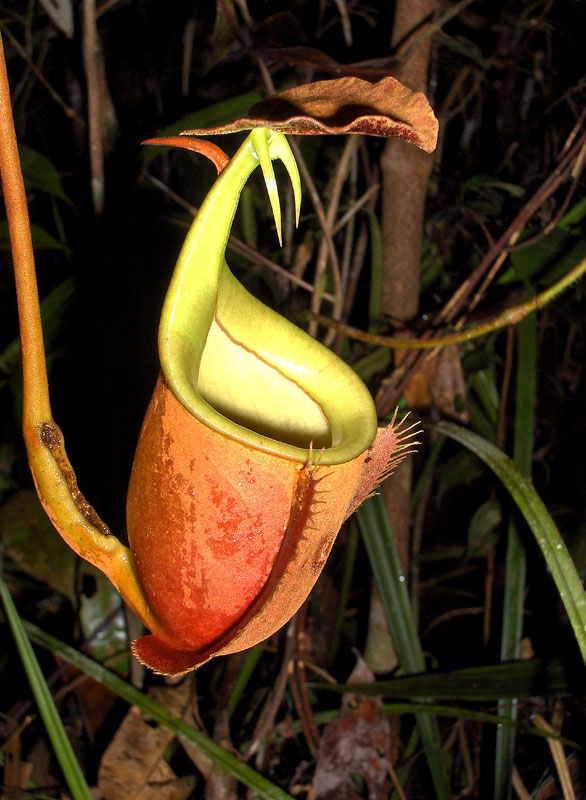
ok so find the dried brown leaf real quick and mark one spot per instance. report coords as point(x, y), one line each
point(133, 768)
point(357, 743)
point(343, 106)
point(439, 383)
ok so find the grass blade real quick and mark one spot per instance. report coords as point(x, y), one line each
point(488, 683)
point(250, 662)
point(548, 537)
point(222, 758)
point(376, 532)
point(45, 703)
point(516, 561)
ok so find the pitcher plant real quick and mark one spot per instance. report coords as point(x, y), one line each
point(258, 441)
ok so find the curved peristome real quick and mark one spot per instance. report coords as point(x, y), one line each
point(238, 366)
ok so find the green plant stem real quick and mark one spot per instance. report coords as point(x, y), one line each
point(510, 316)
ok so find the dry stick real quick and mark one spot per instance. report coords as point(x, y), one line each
point(25, 86)
point(237, 244)
point(576, 172)
point(188, 39)
point(349, 233)
point(355, 208)
point(322, 258)
point(393, 387)
point(319, 210)
point(345, 20)
point(428, 29)
point(90, 61)
point(559, 758)
point(298, 684)
point(492, 273)
point(267, 722)
point(358, 258)
point(549, 186)
point(40, 77)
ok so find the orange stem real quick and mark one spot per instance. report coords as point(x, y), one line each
point(36, 405)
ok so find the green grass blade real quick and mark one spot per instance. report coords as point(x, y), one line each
point(375, 528)
point(250, 662)
point(351, 549)
point(376, 273)
point(45, 703)
point(540, 522)
point(485, 683)
point(222, 758)
point(516, 561)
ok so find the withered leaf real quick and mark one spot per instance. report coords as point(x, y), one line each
point(343, 106)
point(133, 767)
point(439, 382)
point(358, 743)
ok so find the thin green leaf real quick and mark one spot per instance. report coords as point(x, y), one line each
point(375, 528)
point(351, 549)
point(540, 522)
point(250, 662)
point(516, 560)
point(574, 216)
point(44, 700)
point(222, 758)
point(376, 273)
point(536, 677)
point(483, 530)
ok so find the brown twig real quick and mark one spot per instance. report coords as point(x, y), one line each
point(237, 244)
point(267, 721)
point(428, 29)
point(298, 684)
point(394, 386)
point(510, 316)
point(90, 60)
point(511, 234)
point(363, 200)
point(38, 74)
point(322, 258)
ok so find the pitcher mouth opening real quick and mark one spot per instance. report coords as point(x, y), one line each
point(255, 394)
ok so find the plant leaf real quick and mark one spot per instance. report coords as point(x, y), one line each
point(536, 677)
point(343, 106)
point(45, 703)
point(40, 173)
point(539, 520)
point(222, 758)
point(42, 239)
